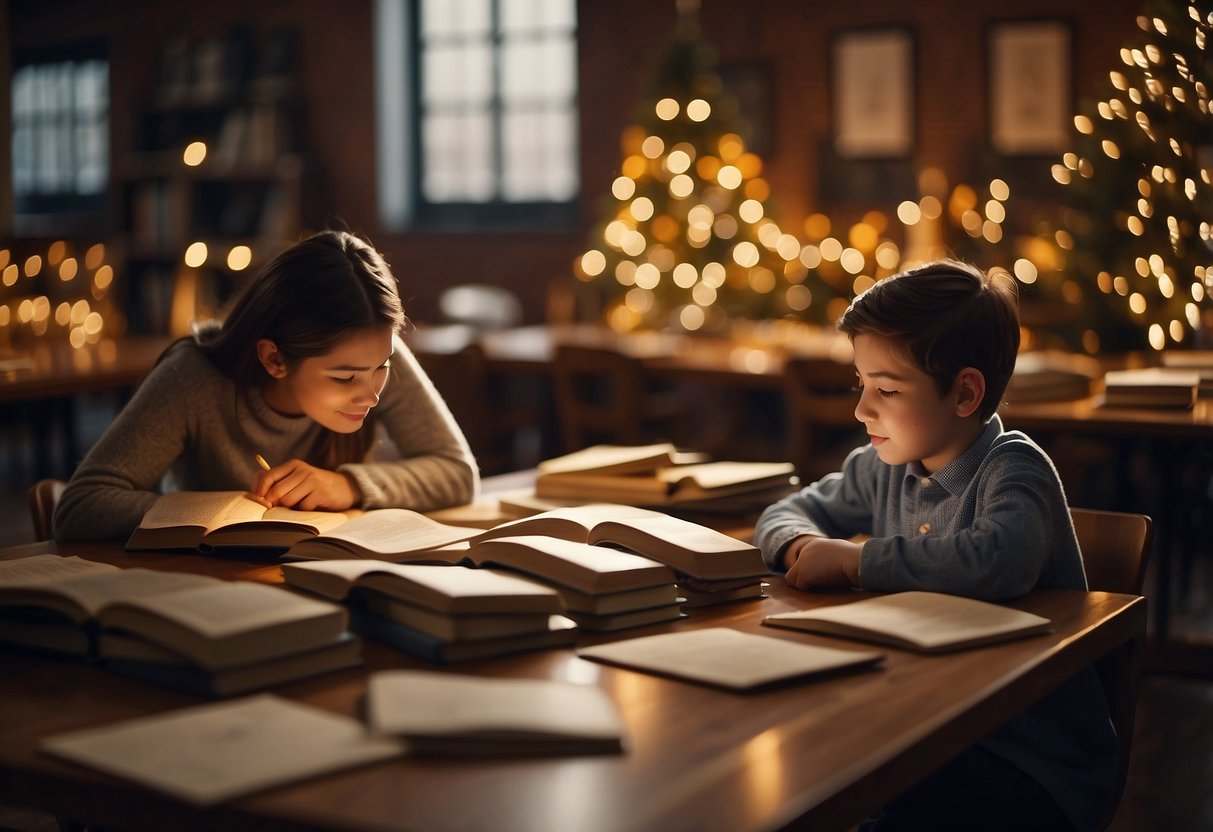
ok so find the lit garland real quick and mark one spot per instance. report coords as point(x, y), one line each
point(1140, 196)
point(56, 294)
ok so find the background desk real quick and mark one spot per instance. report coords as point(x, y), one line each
point(39, 386)
point(822, 753)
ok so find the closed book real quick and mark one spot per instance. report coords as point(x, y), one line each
point(454, 714)
point(1151, 387)
point(928, 622)
point(148, 663)
point(221, 750)
point(727, 658)
point(561, 632)
point(614, 602)
point(611, 622)
point(453, 626)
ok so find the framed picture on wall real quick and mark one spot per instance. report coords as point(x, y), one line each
point(872, 86)
point(1030, 87)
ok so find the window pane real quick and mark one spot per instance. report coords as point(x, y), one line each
point(538, 69)
point(539, 156)
point(530, 15)
point(446, 18)
point(458, 73)
point(459, 159)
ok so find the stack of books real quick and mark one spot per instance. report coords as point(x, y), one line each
point(709, 566)
point(440, 614)
point(600, 588)
point(1052, 375)
point(189, 632)
point(1151, 387)
point(660, 476)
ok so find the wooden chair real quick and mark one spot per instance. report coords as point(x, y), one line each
point(43, 496)
point(497, 422)
point(820, 401)
point(602, 396)
point(1115, 550)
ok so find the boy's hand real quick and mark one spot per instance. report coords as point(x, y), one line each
point(822, 562)
point(296, 484)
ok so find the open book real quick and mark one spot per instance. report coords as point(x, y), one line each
point(213, 752)
point(689, 548)
point(726, 658)
point(391, 534)
point(201, 520)
point(450, 714)
point(193, 632)
point(930, 622)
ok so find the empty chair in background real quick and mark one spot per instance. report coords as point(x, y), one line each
point(820, 398)
point(603, 397)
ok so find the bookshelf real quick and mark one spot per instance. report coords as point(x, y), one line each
point(213, 186)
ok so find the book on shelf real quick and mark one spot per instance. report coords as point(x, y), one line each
point(689, 548)
point(928, 622)
point(1151, 387)
point(390, 534)
point(210, 753)
point(727, 658)
point(146, 661)
point(672, 485)
point(1052, 375)
point(456, 714)
point(561, 632)
point(207, 520)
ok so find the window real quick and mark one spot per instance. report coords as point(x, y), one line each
point(483, 129)
point(60, 140)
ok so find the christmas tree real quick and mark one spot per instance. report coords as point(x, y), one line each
point(1136, 247)
point(686, 241)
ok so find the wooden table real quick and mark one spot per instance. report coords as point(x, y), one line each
point(1174, 437)
point(820, 754)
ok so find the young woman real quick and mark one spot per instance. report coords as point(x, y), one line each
point(307, 372)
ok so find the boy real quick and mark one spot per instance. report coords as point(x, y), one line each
point(953, 503)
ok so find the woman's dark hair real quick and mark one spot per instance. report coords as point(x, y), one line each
point(945, 316)
point(310, 297)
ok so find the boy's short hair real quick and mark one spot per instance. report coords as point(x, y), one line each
point(945, 315)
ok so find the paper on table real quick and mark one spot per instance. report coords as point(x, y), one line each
point(214, 752)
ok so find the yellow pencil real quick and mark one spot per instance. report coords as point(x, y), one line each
point(261, 461)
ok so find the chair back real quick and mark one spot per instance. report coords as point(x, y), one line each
point(1115, 550)
point(43, 496)
point(820, 400)
point(600, 397)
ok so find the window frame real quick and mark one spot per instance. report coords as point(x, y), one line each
point(62, 211)
point(411, 210)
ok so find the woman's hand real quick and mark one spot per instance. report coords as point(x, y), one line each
point(822, 562)
point(296, 484)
